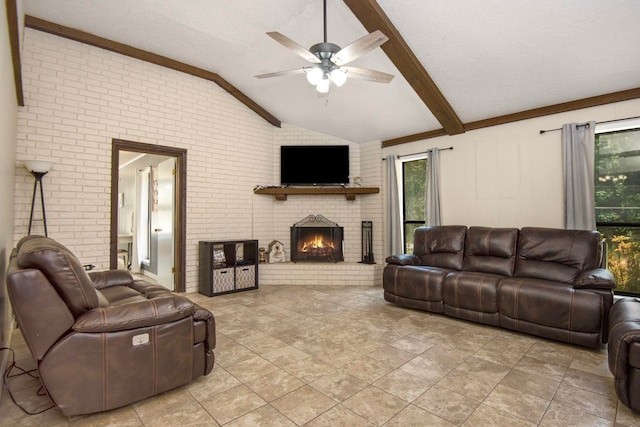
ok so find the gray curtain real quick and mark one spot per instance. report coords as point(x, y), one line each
point(578, 152)
point(432, 187)
point(394, 224)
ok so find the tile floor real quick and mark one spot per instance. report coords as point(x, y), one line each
point(342, 356)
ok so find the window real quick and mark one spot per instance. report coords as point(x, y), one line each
point(414, 173)
point(617, 197)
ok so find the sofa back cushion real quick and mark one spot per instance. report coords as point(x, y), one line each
point(62, 269)
point(440, 246)
point(556, 254)
point(491, 250)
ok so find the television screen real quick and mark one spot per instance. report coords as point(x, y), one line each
point(314, 164)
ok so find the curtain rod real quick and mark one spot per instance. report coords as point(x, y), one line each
point(586, 124)
point(422, 152)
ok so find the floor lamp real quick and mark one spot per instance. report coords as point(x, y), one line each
point(38, 169)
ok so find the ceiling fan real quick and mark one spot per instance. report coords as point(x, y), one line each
point(329, 59)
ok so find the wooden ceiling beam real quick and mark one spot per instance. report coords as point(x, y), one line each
point(373, 18)
point(14, 41)
point(123, 49)
point(563, 107)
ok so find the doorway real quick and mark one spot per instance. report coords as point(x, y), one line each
point(165, 225)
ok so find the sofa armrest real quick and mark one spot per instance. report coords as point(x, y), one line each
point(138, 314)
point(624, 331)
point(598, 278)
point(108, 278)
point(403, 259)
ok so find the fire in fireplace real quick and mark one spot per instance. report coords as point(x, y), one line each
point(316, 239)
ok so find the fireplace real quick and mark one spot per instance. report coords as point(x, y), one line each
point(316, 239)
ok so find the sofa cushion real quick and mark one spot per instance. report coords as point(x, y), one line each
point(441, 246)
point(471, 290)
point(415, 282)
point(549, 303)
point(490, 250)
point(556, 254)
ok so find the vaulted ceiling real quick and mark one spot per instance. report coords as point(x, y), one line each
point(458, 65)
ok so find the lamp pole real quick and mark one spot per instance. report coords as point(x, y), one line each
point(38, 176)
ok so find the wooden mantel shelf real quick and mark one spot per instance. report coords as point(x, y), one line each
point(281, 193)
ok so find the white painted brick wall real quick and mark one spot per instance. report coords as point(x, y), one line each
point(78, 98)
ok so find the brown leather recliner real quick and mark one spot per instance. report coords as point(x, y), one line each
point(103, 340)
point(624, 350)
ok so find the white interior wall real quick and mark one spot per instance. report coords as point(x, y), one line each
point(508, 175)
point(8, 132)
point(79, 98)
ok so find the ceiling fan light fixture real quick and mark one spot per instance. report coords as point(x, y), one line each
point(338, 76)
point(314, 76)
point(323, 85)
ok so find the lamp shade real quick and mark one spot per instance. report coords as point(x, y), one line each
point(40, 166)
point(314, 76)
point(323, 86)
point(338, 76)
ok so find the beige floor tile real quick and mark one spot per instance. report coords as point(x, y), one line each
point(283, 355)
point(428, 369)
point(274, 384)
point(586, 401)
point(589, 381)
point(264, 416)
point(414, 416)
point(549, 368)
point(518, 403)
point(504, 351)
point(339, 385)
point(232, 404)
point(303, 405)
point(367, 368)
point(250, 369)
point(536, 385)
point(184, 415)
point(167, 401)
point(449, 405)
point(375, 405)
point(339, 416)
point(217, 381)
point(309, 369)
point(560, 416)
point(391, 356)
point(342, 356)
point(228, 352)
point(626, 417)
point(485, 415)
point(475, 378)
point(403, 385)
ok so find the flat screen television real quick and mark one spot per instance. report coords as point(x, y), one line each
point(314, 164)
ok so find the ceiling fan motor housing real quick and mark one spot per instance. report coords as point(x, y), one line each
point(324, 50)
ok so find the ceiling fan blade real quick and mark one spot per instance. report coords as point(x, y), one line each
point(295, 47)
point(283, 73)
point(359, 47)
point(367, 74)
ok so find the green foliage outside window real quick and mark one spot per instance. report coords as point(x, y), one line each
point(617, 196)
point(413, 183)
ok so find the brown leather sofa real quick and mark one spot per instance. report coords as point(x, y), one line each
point(103, 340)
point(540, 281)
point(624, 350)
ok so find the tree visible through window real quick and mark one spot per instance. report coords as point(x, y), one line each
point(617, 196)
point(414, 173)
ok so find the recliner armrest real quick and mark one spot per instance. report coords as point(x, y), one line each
point(403, 259)
point(598, 278)
point(155, 311)
point(108, 278)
